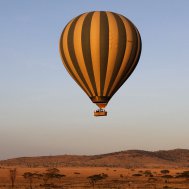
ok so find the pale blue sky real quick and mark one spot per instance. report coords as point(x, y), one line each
point(43, 111)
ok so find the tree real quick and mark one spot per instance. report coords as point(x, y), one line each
point(94, 178)
point(30, 176)
point(51, 174)
point(165, 172)
point(148, 173)
point(12, 176)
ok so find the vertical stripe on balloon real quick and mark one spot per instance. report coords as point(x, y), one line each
point(128, 49)
point(72, 52)
point(67, 59)
point(113, 50)
point(86, 48)
point(133, 59)
point(95, 48)
point(79, 53)
point(104, 48)
point(120, 50)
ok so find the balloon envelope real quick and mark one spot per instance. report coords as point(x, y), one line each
point(100, 50)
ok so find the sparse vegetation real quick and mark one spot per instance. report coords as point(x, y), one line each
point(30, 177)
point(137, 175)
point(165, 171)
point(167, 176)
point(51, 175)
point(95, 178)
point(148, 173)
point(39, 178)
point(184, 174)
point(49, 172)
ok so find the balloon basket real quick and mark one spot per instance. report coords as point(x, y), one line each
point(100, 112)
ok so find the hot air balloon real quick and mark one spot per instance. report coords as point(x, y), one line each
point(100, 50)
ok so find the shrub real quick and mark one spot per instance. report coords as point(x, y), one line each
point(167, 176)
point(184, 174)
point(165, 171)
point(95, 178)
point(148, 173)
point(137, 175)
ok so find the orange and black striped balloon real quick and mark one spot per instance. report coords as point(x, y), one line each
point(100, 50)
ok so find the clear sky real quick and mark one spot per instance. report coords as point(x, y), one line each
point(44, 112)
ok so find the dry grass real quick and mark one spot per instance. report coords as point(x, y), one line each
point(76, 177)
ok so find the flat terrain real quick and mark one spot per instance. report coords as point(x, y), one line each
point(128, 169)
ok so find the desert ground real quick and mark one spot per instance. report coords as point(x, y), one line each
point(127, 169)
